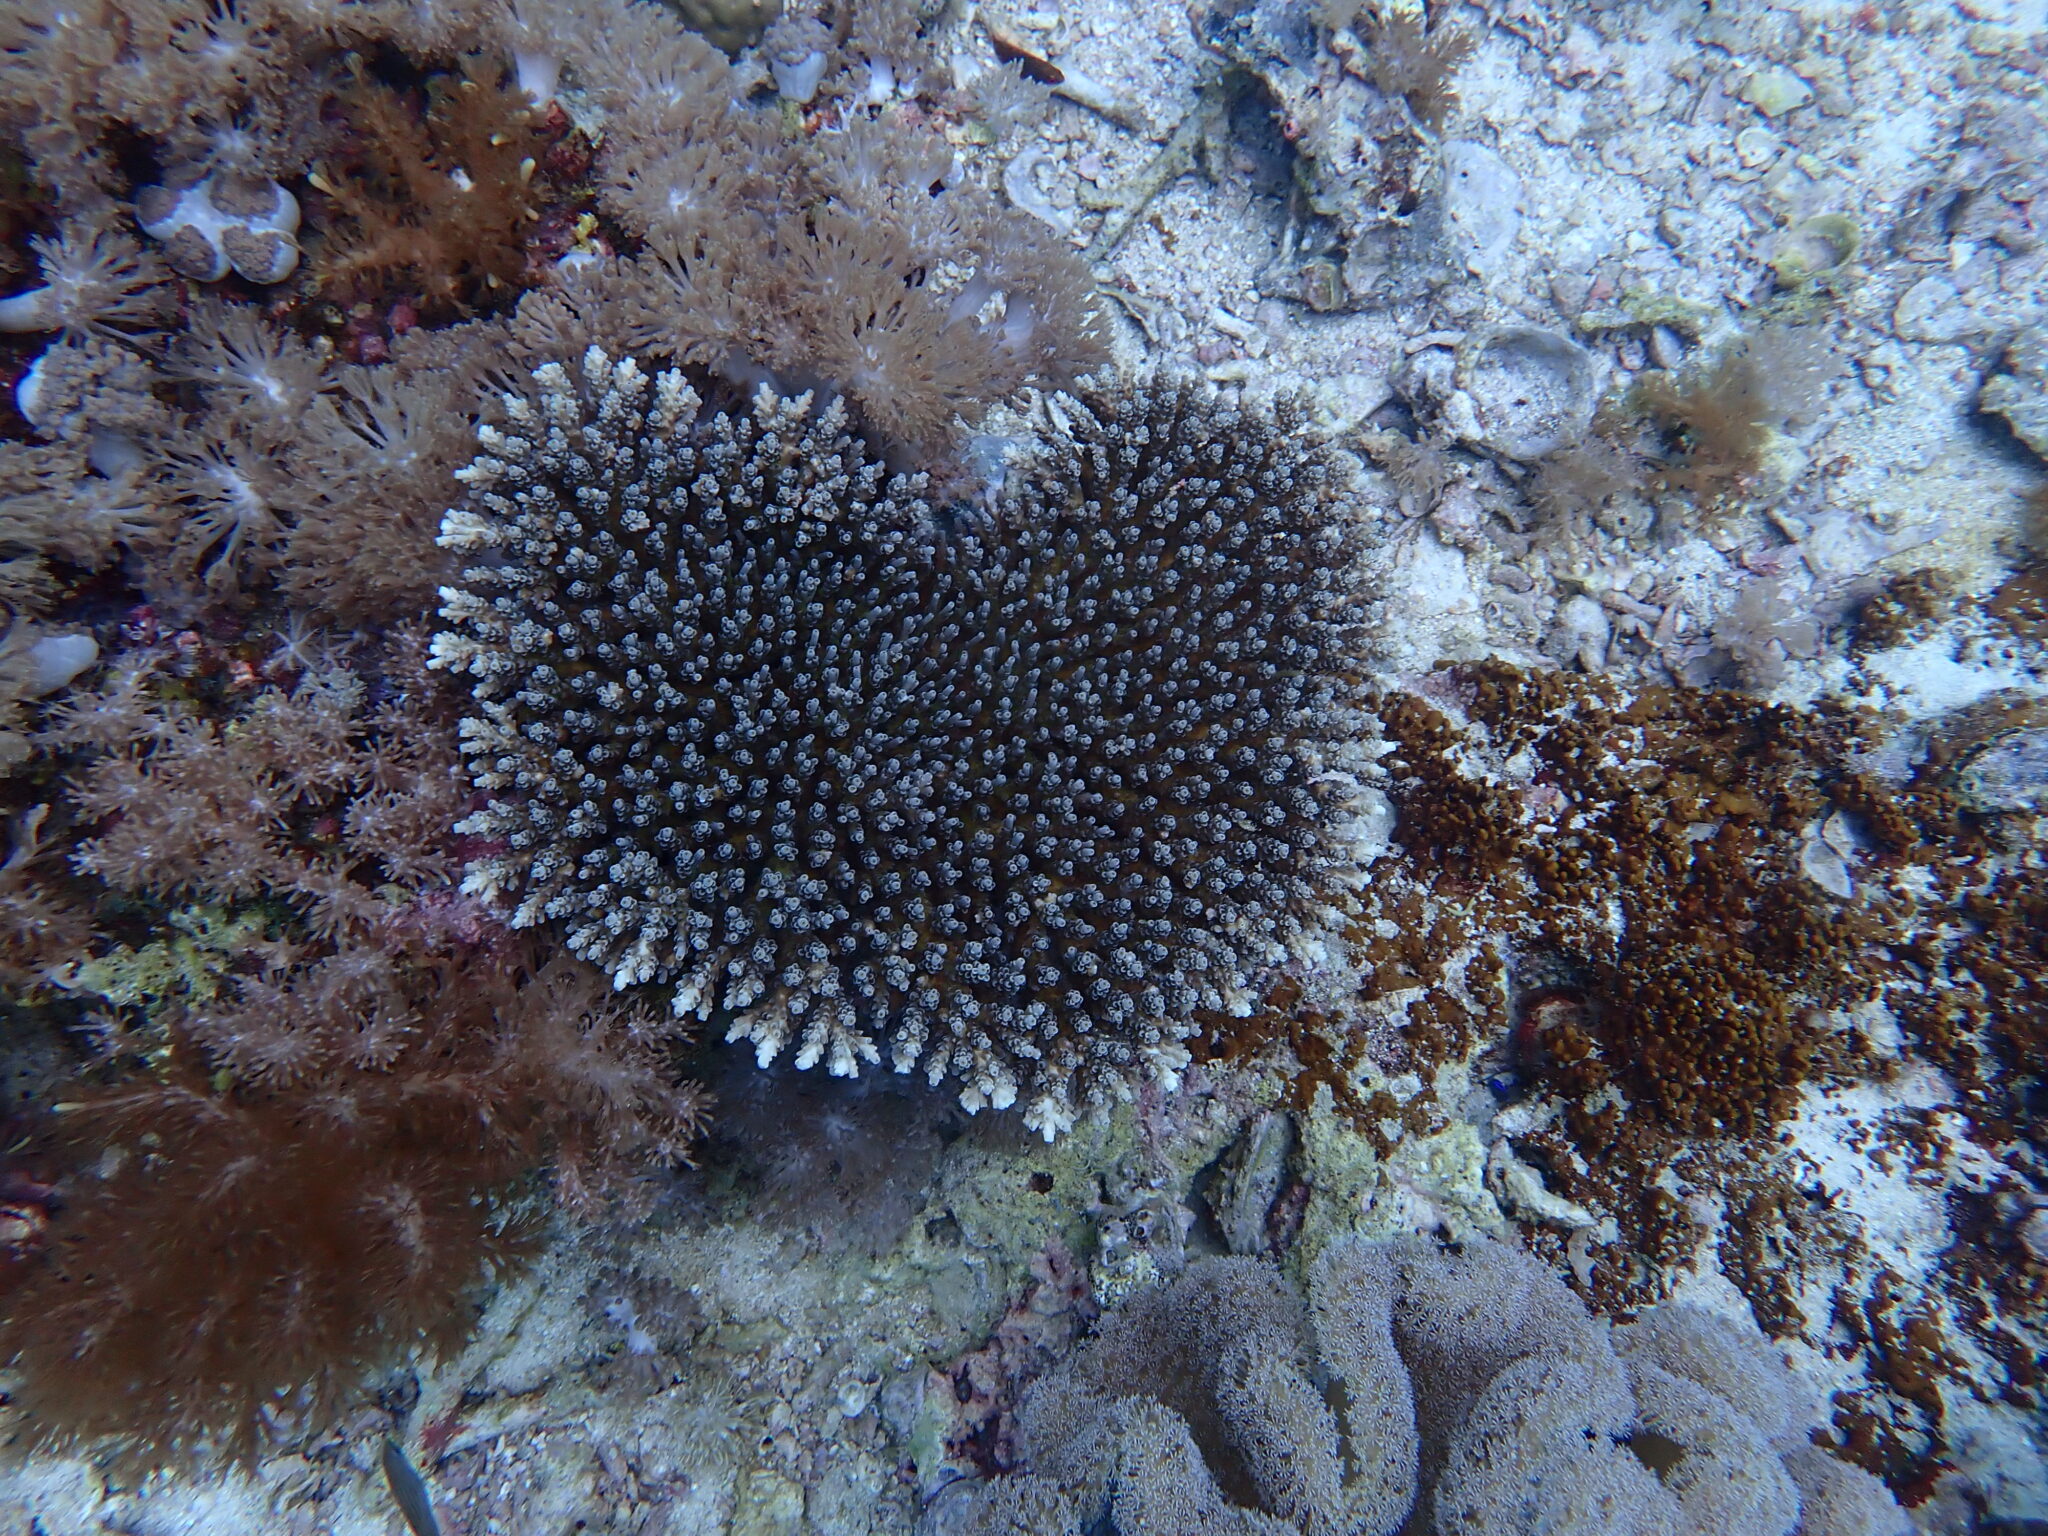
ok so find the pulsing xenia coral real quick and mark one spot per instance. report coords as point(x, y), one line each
point(1007, 797)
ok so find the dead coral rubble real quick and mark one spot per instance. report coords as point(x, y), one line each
point(1420, 1388)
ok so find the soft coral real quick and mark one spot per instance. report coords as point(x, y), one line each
point(301, 1172)
point(313, 1180)
point(431, 198)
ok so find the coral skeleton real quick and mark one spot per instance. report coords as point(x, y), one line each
point(1002, 798)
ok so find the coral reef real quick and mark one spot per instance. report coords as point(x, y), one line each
point(2018, 392)
point(435, 178)
point(1416, 1387)
point(1695, 348)
point(1007, 797)
point(230, 868)
point(1658, 1023)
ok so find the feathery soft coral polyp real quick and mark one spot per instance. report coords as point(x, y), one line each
point(302, 1157)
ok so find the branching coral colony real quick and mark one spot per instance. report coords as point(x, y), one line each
point(1007, 799)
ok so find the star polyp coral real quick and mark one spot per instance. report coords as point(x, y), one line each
point(1000, 799)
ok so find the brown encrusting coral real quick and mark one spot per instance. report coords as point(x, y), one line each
point(1665, 855)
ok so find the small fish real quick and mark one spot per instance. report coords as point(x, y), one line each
point(410, 1490)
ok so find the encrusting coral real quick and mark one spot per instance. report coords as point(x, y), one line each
point(1700, 1001)
point(1464, 1392)
point(1006, 796)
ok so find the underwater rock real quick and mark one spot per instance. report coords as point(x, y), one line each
point(1409, 212)
point(1996, 752)
point(2019, 392)
point(1517, 392)
point(1814, 250)
point(1774, 92)
point(1526, 391)
point(1249, 1178)
point(1482, 205)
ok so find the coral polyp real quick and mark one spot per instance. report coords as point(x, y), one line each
point(1003, 797)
